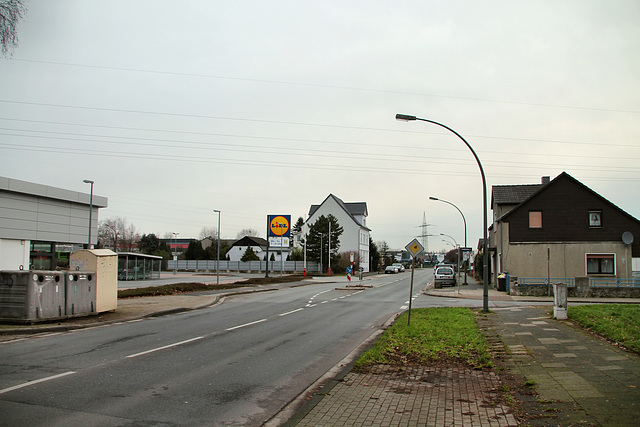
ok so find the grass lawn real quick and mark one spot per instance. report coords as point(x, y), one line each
point(443, 334)
point(619, 323)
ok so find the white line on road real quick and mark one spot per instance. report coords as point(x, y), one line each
point(290, 312)
point(41, 380)
point(164, 347)
point(246, 324)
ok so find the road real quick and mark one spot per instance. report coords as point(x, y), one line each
point(237, 363)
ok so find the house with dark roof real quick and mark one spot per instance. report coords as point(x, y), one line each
point(563, 229)
point(257, 244)
point(352, 217)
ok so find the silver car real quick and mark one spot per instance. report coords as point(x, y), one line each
point(444, 276)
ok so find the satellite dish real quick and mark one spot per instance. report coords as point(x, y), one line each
point(627, 238)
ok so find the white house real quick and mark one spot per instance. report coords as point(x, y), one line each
point(352, 217)
point(259, 246)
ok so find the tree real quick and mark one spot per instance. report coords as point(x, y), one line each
point(148, 244)
point(116, 234)
point(249, 255)
point(194, 250)
point(297, 254)
point(11, 11)
point(374, 255)
point(318, 240)
point(248, 232)
point(297, 228)
point(387, 259)
point(211, 232)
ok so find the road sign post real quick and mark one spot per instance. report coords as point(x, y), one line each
point(414, 248)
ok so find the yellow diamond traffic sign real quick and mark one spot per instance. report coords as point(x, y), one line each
point(414, 248)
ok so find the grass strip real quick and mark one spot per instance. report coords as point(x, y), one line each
point(619, 323)
point(181, 288)
point(442, 334)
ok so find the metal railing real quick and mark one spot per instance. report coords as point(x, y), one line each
point(210, 265)
point(544, 281)
point(604, 282)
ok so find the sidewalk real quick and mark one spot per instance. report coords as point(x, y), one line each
point(581, 380)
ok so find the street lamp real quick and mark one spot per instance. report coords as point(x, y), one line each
point(465, 227)
point(457, 247)
point(485, 243)
point(218, 252)
point(175, 253)
point(88, 181)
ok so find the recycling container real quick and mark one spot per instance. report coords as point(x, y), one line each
point(32, 295)
point(80, 288)
point(105, 265)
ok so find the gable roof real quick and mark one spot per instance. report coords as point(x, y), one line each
point(513, 194)
point(561, 177)
point(352, 209)
point(250, 241)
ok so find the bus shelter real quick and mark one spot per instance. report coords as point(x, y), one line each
point(135, 266)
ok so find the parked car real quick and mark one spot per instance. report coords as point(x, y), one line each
point(399, 266)
point(444, 276)
point(391, 269)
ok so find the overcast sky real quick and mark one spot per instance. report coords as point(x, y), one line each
point(175, 109)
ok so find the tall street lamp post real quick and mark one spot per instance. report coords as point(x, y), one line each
point(464, 220)
point(88, 181)
point(175, 252)
point(218, 252)
point(485, 243)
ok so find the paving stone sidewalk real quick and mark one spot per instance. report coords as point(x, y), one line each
point(581, 380)
point(571, 368)
point(412, 396)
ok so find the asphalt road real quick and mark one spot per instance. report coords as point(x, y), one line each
point(237, 363)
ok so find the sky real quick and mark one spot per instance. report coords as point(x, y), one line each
point(252, 108)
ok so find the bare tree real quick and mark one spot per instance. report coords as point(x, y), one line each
point(208, 232)
point(248, 232)
point(11, 11)
point(116, 234)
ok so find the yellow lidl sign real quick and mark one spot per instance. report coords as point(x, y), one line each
point(279, 225)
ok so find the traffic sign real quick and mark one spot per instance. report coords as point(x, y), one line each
point(414, 248)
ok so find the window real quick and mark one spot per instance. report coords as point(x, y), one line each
point(535, 219)
point(595, 219)
point(601, 264)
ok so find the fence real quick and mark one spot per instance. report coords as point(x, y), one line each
point(211, 265)
point(577, 287)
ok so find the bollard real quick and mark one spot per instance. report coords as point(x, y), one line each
point(560, 301)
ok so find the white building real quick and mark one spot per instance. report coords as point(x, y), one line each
point(40, 225)
point(352, 217)
point(258, 245)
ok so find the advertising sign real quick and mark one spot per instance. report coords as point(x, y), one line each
point(279, 225)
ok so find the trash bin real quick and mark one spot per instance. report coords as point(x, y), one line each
point(502, 282)
point(80, 287)
point(32, 295)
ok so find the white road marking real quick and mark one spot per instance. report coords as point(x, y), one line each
point(164, 347)
point(30, 383)
point(246, 324)
point(292, 311)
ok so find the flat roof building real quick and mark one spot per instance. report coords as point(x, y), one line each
point(40, 224)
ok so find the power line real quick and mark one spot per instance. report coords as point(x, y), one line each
point(325, 86)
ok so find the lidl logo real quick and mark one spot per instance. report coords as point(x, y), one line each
point(279, 225)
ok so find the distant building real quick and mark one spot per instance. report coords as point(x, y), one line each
point(41, 225)
point(239, 247)
point(352, 217)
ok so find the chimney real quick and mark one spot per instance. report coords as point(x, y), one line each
point(545, 180)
